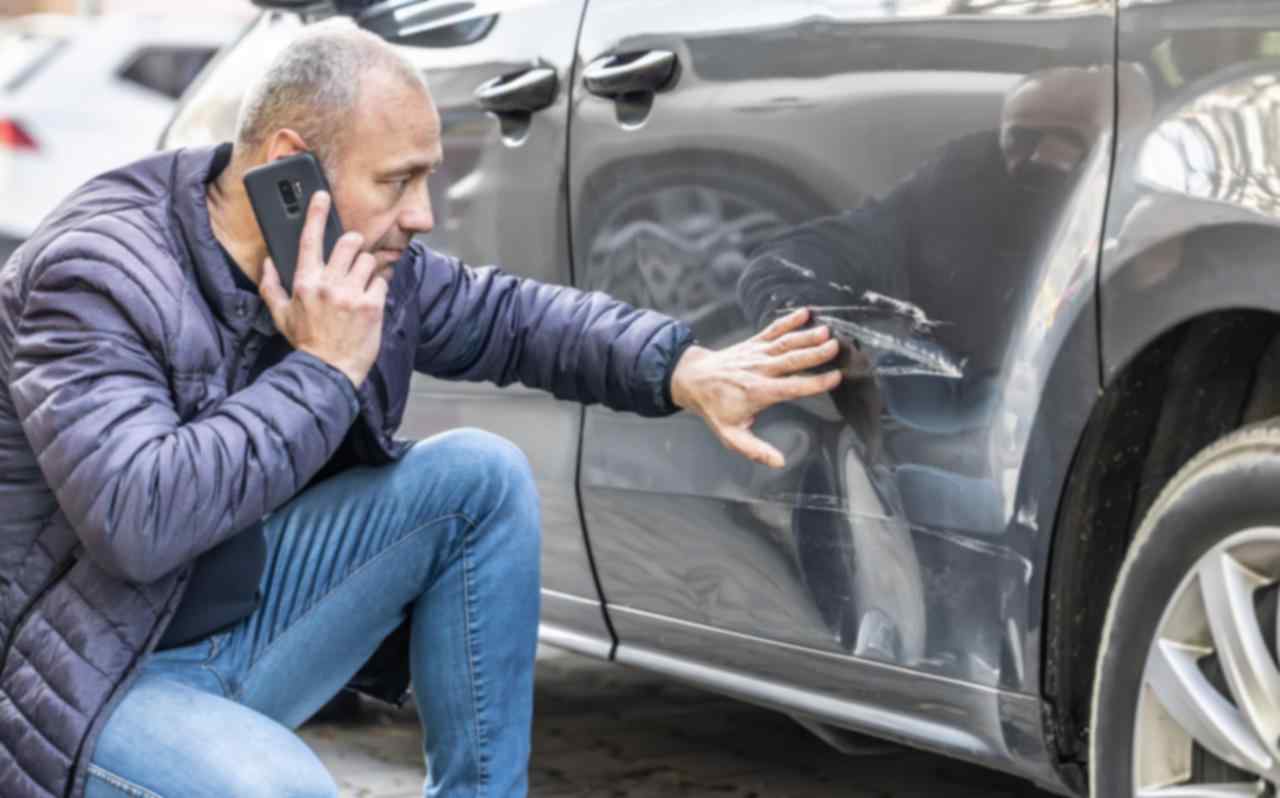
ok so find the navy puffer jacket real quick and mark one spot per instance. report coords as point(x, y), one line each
point(131, 440)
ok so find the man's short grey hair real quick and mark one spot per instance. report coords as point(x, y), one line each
point(313, 86)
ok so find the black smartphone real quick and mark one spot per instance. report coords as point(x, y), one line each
point(280, 193)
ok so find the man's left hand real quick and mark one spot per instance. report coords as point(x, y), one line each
point(729, 387)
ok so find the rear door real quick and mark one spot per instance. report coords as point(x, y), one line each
point(927, 173)
point(500, 198)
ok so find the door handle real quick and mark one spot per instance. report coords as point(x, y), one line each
point(521, 92)
point(614, 75)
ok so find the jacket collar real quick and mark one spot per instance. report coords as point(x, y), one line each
point(194, 169)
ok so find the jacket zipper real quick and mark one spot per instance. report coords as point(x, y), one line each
point(23, 616)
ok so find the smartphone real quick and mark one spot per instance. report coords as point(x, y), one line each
point(280, 193)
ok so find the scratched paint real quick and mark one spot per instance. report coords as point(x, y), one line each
point(896, 335)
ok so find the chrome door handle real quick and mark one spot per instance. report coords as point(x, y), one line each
point(626, 73)
point(528, 91)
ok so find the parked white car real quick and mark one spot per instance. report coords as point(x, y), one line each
point(79, 96)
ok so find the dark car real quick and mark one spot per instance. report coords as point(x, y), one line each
point(1038, 525)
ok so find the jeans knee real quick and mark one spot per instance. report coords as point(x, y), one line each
point(295, 776)
point(493, 451)
point(497, 478)
point(294, 773)
point(488, 462)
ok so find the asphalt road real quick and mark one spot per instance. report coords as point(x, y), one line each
point(603, 731)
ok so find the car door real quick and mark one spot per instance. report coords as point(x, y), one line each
point(498, 72)
point(928, 175)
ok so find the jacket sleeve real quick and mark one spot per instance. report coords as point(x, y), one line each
point(483, 324)
point(145, 492)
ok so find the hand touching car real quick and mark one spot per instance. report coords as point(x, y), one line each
point(729, 387)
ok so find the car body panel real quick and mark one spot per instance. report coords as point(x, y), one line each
point(911, 524)
point(995, 728)
point(1194, 222)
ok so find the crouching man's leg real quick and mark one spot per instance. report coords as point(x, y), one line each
point(448, 537)
point(168, 738)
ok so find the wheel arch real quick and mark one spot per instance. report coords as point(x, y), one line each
point(1190, 345)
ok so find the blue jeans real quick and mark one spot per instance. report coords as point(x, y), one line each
point(447, 537)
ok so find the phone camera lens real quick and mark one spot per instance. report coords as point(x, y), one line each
point(291, 191)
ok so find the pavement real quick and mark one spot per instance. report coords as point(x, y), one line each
point(605, 731)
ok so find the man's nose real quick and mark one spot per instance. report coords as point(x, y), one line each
point(418, 218)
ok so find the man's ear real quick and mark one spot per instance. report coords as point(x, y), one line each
point(283, 143)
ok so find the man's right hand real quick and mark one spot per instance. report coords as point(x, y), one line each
point(336, 310)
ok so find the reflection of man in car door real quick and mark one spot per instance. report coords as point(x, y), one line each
point(209, 527)
point(922, 282)
point(975, 210)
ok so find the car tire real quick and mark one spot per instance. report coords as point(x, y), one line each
point(1229, 492)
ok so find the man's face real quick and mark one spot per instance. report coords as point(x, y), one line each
point(380, 179)
point(1050, 121)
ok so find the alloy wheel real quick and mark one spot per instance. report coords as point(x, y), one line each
point(1208, 716)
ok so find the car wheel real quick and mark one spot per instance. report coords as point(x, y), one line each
point(1187, 690)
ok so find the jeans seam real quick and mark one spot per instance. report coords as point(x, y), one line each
point(238, 692)
point(216, 644)
point(478, 700)
point(121, 784)
point(222, 683)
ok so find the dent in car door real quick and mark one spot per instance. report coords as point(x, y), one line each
point(929, 176)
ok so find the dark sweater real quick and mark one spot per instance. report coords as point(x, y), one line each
point(224, 587)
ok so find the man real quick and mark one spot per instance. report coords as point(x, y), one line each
point(208, 528)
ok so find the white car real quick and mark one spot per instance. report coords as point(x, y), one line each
point(79, 96)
